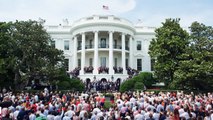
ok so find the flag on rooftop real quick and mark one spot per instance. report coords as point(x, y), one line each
point(105, 7)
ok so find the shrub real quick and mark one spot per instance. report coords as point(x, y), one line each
point(127, 85)
point(71, 84)
point(139, 86)
point(107, 104)
point(76, 85)
point(138, 82)
point(64, 85)
point(147, 78)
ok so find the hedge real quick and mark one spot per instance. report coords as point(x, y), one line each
point(71, 84)
point(138, 82)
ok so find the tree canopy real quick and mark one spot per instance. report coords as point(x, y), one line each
point(26, 54)
point(196, 69)
point(168, 46)
point(183, 60)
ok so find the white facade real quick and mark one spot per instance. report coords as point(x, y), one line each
point(108, 42)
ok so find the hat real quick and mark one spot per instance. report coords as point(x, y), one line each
point(128, 117)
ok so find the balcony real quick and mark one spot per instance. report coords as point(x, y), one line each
point(126, 47)
point(79, 47)
point(118, 70)
point(103, 46)
point(89, 46)
point(103, 69)
point(88, 69)
point(117, 46)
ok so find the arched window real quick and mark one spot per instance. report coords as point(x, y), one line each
point(103, 42)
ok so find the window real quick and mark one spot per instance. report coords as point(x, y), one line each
point(79, 45)
point(139, 64)
point(138, 45)
point(116, 62)
point(152, 64)
point(90, 62)
point(66, 45)
point(79, 62)
point(115, 43)
point(103, 61)
point(52, 43)
point(126, 45)
point(103, 42)
point(127, 62)
point(66, 64)
point(90, 43)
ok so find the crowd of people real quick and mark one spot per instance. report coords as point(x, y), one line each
point(102, 86)
point(48, 105)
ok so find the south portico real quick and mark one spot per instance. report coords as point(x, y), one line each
point(102, 54)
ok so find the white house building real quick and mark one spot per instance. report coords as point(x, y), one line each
point(103, 47)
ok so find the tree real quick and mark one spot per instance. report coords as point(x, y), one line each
point(5, 44)
point(167, 48)
point(26, 53)
point(196, 69)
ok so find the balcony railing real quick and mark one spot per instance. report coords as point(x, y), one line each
point(127, 47)
point(79, 48)
point(117, 46)
point(118, 70)
point(89, 46)
point(103, 46)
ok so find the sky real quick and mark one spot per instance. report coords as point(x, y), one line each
point(143, 12)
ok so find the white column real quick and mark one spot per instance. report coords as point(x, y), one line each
point(82, 54)
point(123, 53)
point(130, 52)
point(111, 72)
point(95, 71)
point(75, 53)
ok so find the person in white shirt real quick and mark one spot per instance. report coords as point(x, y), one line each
point(16, 113)
point(96, 110)
point(147, 113)
point(181, 110)
point(185, 114)
point(81, 115)
point(50, 116)
point(94, 116)
point(159, 107)
point(32, 115)
point(211, 114)
point(156, 115)
point(66, 117)
point(207, 117)
point(139, 116)
point(70, 112)
point(59, 116)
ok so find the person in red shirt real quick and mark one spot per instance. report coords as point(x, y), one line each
point(102, 101)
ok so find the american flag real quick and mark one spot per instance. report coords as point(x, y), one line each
point(105, 7)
